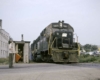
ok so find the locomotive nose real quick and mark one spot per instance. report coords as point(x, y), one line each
point(65, 55)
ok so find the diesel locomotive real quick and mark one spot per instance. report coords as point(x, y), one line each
point(56, 43)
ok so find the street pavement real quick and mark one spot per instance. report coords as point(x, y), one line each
point(50, 71)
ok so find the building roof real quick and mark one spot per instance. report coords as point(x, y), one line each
point(4, 31)
point(21, 42)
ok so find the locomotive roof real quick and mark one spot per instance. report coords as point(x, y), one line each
point(51, 26)
point(63, 24)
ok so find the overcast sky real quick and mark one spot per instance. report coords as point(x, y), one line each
point(30, 17)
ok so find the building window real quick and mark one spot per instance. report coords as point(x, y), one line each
point(1, 52)
point(1, 43)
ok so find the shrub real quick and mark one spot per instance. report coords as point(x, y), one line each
point(89, 58)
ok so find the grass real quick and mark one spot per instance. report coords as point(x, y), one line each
point(4, 60)
point(86, 58)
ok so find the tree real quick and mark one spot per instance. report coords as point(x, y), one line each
point(89, 47)
point(81, 46)
point(94, 47)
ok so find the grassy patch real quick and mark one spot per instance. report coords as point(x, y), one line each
point(88, 58)
point(4, 60)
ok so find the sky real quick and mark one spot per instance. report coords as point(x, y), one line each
point(30, 17)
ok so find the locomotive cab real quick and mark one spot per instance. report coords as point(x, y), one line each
point(63, 39)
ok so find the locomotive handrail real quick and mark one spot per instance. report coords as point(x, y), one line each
point(53, 42)
point(49, 43)
point(56, 41)
point(78, 49)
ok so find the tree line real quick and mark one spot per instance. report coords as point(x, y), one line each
point(89, 47)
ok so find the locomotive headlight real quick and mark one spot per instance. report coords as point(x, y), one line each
point(64, 34)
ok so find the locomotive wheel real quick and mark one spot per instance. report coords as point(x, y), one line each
point(49, 60)
point(34, 58)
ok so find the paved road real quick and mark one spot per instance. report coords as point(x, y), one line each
point(51, 71)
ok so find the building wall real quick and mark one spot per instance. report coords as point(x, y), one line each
point(26, 53)
point(4, 38)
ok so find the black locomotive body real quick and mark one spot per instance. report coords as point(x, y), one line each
point(55, 43)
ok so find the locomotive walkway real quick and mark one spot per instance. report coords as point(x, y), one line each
point(51, 71)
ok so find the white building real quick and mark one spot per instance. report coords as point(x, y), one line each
point(4, 38)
